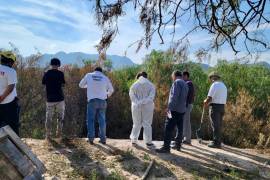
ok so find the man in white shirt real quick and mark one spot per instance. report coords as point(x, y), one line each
point(99, 88)
point(9, 108)
point(142, 95)
point(216, 100)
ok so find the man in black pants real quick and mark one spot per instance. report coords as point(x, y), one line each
point(216, 100)
point(175, 112)
point(9, 108)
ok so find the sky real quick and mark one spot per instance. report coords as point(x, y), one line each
point(69, 25)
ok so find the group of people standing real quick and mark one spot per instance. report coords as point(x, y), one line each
point(99, 89)
point(142, 95)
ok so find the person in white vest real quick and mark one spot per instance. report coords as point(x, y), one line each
point(99, 89)
point(142, 95)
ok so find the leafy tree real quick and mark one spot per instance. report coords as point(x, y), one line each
point(108, 64)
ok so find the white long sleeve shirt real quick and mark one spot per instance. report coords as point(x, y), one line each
point(142, 92)
point(98, 85)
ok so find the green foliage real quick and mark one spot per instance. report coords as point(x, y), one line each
point(253, 79)
point(146, 157)
point(247, 117)
point(115, 175)
point(108, 64)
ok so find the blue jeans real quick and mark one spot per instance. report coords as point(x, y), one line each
point(96, 108)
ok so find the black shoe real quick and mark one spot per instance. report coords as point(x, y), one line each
point(102, 142)
point(163, 150)
point(187, 142)
point(214, 145)
point(90, 142)
point(149, 144)
point(176, 147)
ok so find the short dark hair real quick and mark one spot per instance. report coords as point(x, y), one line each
point(143, 74)
point(55, 62)
point(98, 69)
point(177, 73)
point(5, 60)
point(186, 73)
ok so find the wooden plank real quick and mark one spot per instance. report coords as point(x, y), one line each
point(34, 176)
point(145, 175)
point(16, 158)
point(3, 134)
point(7, 170)
point(26, 150)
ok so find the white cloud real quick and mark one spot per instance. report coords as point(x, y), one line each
point(27, 41)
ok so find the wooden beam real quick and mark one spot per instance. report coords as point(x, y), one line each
point(145, 175)
point(16, 158)
point(23, 148)
point(7, 170)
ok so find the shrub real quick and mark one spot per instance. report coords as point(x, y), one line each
point(246, 123)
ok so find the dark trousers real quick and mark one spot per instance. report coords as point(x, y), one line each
point(9, 115)
point(170, 124)
point(216, 113)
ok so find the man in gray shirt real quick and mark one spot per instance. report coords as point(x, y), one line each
point(175, 112)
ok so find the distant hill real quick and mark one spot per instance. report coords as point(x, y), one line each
point(264, 63)
point(205, 67)
point(118, 62)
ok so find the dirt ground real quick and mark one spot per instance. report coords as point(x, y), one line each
point(77, 159)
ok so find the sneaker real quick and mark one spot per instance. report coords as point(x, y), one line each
point(163, 150)
point(149, 144)
point(133, 142)
point(90, 141)
point(64, 139)
point(214, 145)
point(176, 147)
point(48, 139)
point(187, 142)
point(102, 142)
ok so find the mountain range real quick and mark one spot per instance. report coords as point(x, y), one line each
point(118, 62)
point(206, 67)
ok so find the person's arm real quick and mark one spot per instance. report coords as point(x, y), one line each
point(83, 83)
point(133, 96)
point(174, 96)
point(151, 95)
point(11, 80)
point(207, 101)
point(44, 79)
point(63, 79)
point(211, 93)
point(8, 90)
point(191, 92)
point(109, 87)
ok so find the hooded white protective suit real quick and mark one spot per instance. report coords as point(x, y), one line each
point(142, 94)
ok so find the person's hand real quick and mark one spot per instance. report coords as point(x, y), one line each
point(166, 111)
point(205, 103)
point(1, 98)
